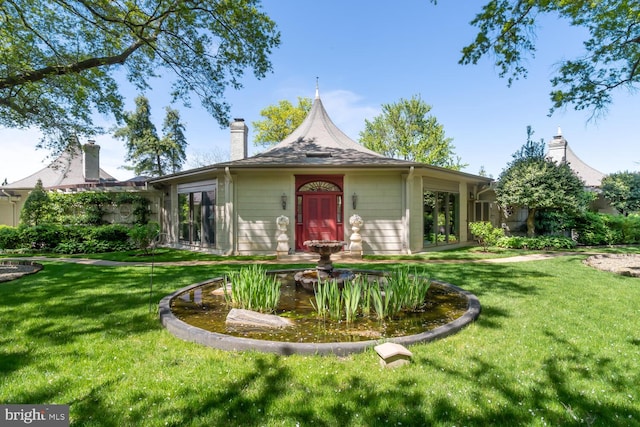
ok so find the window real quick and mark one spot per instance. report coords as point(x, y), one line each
point(196, 218)
point(441, 218)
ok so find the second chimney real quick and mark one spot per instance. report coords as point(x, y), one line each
point(239, 135)
point(91, 161)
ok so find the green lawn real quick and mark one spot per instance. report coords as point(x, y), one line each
point(557, 343)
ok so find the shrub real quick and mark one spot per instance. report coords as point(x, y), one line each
point(485, 233)
point(536, 243)
point(9, 237)
point(110, 233)
point(41, 237)
point(604, 229)
point(143, 236)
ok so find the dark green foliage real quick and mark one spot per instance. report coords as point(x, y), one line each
point(553, 222)
point(61, 60)
point(66, 239)
point(90, 207)
point(9, 237)
point(94, 206)
point(40, 237)
point(536, 243)
point(536, 183)
point(531, 149)
point(603, 229)
point(141, 206)
point(507, 32)
point(622, 190)
point(34, 209)
point(110, 233)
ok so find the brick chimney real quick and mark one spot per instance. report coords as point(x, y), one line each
point(239, 134)
point(91, 161)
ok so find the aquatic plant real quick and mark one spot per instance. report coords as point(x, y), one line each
point(252, 289)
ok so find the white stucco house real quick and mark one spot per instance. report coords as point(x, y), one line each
point(317, 178)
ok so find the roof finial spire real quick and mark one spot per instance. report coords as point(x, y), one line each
point(559, 131)
point(317, 88)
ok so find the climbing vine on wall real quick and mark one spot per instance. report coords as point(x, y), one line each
point(91, 208)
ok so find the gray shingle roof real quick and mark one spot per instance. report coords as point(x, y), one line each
point(560, 152)
point(65, 171)
point(317, 142)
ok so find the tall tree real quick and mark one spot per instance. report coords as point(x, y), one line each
point(622, 189)
point(35, 207)
point(174, 141)
point(533, 182)
point(150, 154)
point(279, 121)
point(531, 149)
point(611, 58)
point(59, 58)
point(405, 130)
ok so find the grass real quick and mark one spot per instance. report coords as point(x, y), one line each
point(557, 343)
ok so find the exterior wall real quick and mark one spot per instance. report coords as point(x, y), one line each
point(10, 207)
point(257, 205)
point(381, 206)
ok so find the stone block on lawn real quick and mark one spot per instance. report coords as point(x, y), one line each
point(392, 354)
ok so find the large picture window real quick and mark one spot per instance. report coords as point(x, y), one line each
point(441, 218)
point(196, 218)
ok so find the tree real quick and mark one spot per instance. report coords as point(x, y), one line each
point(533, 182)
point(622, 189)
point(611, 59)
point(173, 140)
point(405, 130)
point(60, 58)
point(531, 149)
point(35, 206)
point(280, 121)
point(150, 154)
point(200, 159)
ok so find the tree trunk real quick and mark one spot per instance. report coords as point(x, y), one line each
point(531, 225)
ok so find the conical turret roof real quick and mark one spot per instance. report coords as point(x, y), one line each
point(318, 142)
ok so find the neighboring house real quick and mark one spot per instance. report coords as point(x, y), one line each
point(317, 179)
point(560, 152)
point(76, 169)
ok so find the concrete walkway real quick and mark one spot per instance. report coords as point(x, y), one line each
point(293, 259)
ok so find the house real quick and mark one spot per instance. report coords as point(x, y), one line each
point(76, 169)
point(317, 184)
point(559, 151)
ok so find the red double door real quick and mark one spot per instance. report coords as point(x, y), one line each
point(319, 216)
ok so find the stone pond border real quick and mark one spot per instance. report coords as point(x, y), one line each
point(34, 267)
point(220, 341)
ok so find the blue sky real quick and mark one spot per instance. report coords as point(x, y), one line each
point(368, 53)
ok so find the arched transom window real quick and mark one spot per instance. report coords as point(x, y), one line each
point(319, 186)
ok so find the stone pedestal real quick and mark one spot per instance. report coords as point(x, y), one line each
point(283, 239)
point(355, 247)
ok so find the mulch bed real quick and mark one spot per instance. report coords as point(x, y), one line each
point(624, 264)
